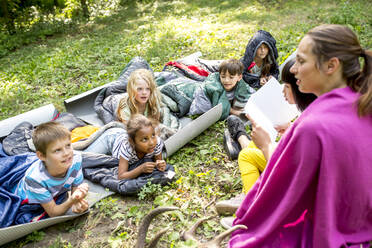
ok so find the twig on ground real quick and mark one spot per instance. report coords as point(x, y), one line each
point(208, 204)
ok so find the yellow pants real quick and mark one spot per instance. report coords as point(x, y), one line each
point(251, 163)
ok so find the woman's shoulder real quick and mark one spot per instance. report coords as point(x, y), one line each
point(337, 102)
point(332, 112)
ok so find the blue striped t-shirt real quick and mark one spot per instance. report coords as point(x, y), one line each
point(38, 186)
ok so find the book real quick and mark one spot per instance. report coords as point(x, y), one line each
point(268, 107)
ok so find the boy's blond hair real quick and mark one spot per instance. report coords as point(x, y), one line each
point(233, 66)
point(47, 133)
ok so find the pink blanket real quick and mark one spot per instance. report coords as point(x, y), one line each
point(316, 190)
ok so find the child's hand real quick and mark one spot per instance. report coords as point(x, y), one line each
point(148, 167)
point(160, 165)
point(236, 112)
point(84, 186)
point(80, 192)
point(80, 207)
point(260, 136)
point(77, 196)
point(264, 80)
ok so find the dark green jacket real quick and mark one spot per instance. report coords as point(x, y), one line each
point(216, 93)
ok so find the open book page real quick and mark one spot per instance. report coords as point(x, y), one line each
point(269, 108)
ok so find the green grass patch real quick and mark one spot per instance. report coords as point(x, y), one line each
point(50, 68)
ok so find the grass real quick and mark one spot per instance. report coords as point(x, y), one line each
point(87, 55)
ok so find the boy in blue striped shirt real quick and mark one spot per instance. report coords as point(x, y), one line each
point(57, 171)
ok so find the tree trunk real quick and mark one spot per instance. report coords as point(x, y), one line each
point(84, 6)
point(9, 20)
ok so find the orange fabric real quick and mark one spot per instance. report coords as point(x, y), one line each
point(82, 132)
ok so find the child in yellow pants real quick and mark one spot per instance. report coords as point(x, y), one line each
point(251, 163)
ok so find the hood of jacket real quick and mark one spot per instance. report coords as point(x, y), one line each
point(261, 36)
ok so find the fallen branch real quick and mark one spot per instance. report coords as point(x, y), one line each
point(142, 230)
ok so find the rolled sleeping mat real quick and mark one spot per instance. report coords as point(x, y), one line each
point(191, 130)
point(82, 106)
point(35, 117)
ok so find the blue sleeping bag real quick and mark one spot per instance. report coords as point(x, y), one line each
point(12, 211)
point(12, 169)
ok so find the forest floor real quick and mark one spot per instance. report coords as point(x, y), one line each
point(60, 66)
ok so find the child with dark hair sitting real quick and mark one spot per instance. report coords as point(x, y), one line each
point(226, 87)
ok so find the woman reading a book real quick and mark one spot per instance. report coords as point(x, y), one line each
point(316, 188)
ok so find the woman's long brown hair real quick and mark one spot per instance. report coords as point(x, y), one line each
point(339, 41)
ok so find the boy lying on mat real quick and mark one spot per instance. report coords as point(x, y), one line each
point(55, 176)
